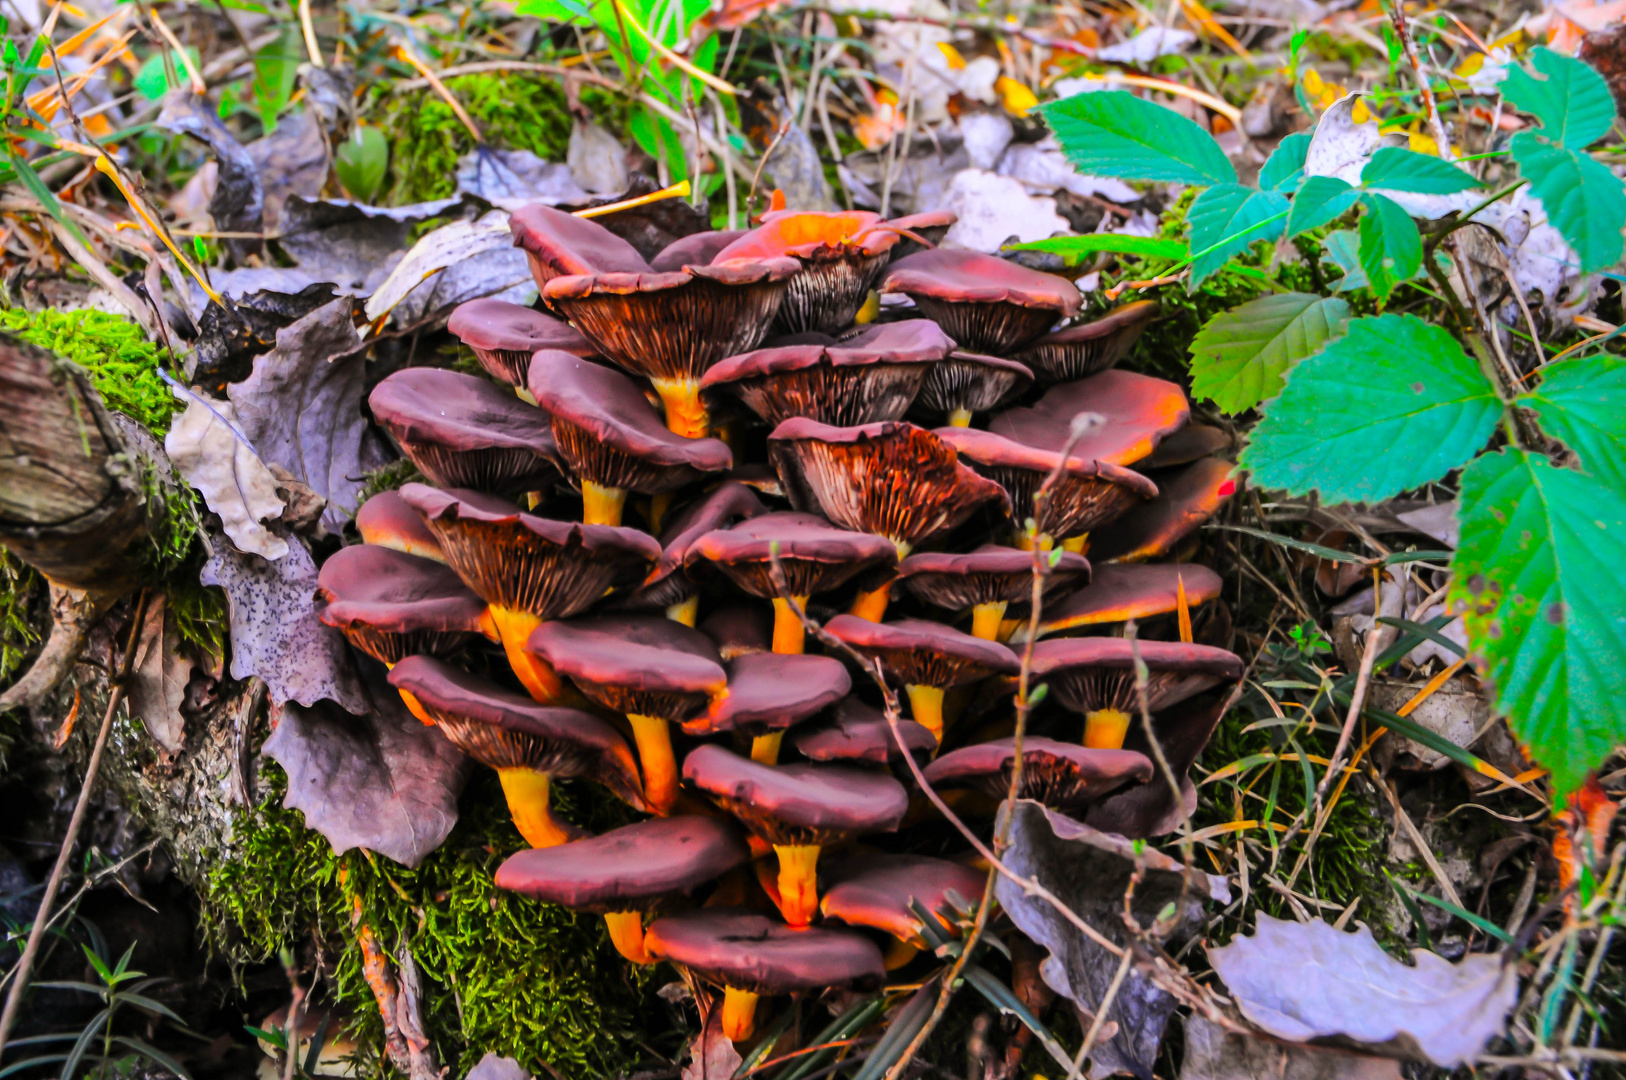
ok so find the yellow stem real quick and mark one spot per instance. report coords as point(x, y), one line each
point(654, 738)
point(870, 310)
point(536, 674)
point(528, 804)
point(959, 418)
point(1104, 729)
point(602, 505)
point(926, 706)
point(789, 635)
point(685, 611)
point(765, 748)
point(415, 707)
point(627, 935)
point(986, 620)
point(1183, 606)
point(1025, 542)
point(798, 882)
point(1078, 545)
point(685, 413)
point(739, 1014)
point(872, 605)
point(899, 953)
point(679, 190)
point(1007, 627)
point(658, 506)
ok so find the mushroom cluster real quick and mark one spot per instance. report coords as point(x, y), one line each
point(673, 461)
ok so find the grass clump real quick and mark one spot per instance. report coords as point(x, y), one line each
point(123, 365)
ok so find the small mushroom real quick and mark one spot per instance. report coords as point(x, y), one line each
point(881, 891)
point(335, 1055)
point(750, 955)
point(696, 249)
point(1118, 592)
point(859, 733)
point(1185, 501)
point(1137, 411)
point(870, 377)
point(767, 695)
point(928, 658)
point(1064, 776)
point(612, 438)
point(799, 809)
point(1189, 444)
point(667, 587)
point(387, 520)
point(466, 432)
point(987, 581)
point(988, 305)
point(529, 745)
point(1087, 348)
point(505, 336)
point(1096, 676)
point(815, 556)
point(629, 873)
point(1152, 809)
point(392, 605)
point(655, 671)
point(529, 569)
point(965, 383)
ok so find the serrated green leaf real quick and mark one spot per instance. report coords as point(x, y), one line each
point(1395, 168)
point(1226, 219)
point(1284, 170)
point(1582, 403)
point(1572, 101)
point(1344, 249)
point(1392, 404)
point(1391, 246)
point(1320, 199)
point(1583, 199)
point(1540, 575)
point(1074, 248)
point(1115, 133)
point(1241, 356)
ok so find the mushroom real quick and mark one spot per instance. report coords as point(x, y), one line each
point(667, 587)
point(892, 479)
point(1088, 347)
point(335, 1055)
point(1185, 446)
point(505, 336)
point(882, 891)
point(392, 605)
point(387, 521)
point(927, 657)
point(750, 955)
point(529, 569)
point(966, 383)
point(860, 733)
point(869, 377)
point(815, 556)
point(1185, 500)
point(630, 872)
point(612, 438)
point(696, 249)
point(1063, 776)
point(529, 745)
point(768, 694)
point(1137, 412)
point(655, 671)
point(462, 431)
point(668, 327)
point(799, 809)
point(1118, 592)
point(1096, 676)
point(988, 305)
point(1152, 809)
point(987, 581)
point(1086, 493)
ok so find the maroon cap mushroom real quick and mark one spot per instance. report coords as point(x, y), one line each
point(1186, 499)
point(655, 671)
point(769, 694)
point(1118, 592)
point(1189, 444)
point(1096, 676)
point(1152, 809)
point(387, 520)
point(927, 657)
point(1063, 776)
point(965, 383)
point(696, 249)
point(750, 955)
point(667, 587)
point(463, 431)
point(986, 581)
point(738, 630)
point(392, 605)
point(505, 336)
point(1087, 348)
point(869, 377)
point(630, 872)
point(799, 809)
point(988, 305)
point(529, 569)
point(1137, 411)
point(881, 891)
point(529, 745)
point(860, 733)
point(611, 436)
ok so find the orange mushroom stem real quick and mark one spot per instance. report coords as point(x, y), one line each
point(654, 738)
point(798, 882)
point(627, 935)
point(789, 636)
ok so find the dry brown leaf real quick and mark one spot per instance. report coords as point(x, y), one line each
point(211, 451)
point(158, 680)
point(1212, 1053)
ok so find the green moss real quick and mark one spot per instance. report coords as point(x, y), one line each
point(123, 365)
point(200, 612)
point(389, 477)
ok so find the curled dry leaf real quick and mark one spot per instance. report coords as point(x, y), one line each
point(711, 1053)
point(1212, 1053)
point(1303, 981)
point(238, 201)
point(512, 178)
point(158, 680)
point(214, 455)
point(452, 245)
point(496, 1067)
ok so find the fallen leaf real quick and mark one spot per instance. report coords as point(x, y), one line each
point(1146, 46)
point(511, 178)
point(1456, 712)
point(920, 181)
point(1339, 146)
point(1212, 1053)
point(495, 1067)
point(653, 226)
point(711, 1053)
point(1302, 981)
point(214, 455)
point(1438, 522)
point(449, 245)
point(597, 160)
point(292, 160)
point(158, 681)
point(228, 341)
point(238, 202)
point(351, 244)
point(793, 160)
point(992, 209)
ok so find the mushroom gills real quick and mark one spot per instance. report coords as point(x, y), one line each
point(529, 804)
point(1104, 729)
point(654, 738)
point(798, 882)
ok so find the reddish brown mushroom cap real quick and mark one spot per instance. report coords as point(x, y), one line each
point(965, 383)
point(696, 249)
point(1120, 592)
point(860, 733)
point(1185, 501)
point(387, 520)
point(559, 244)
point(880, 891)
point(815, 555)
point(1065, 776)
point(771, 692)
point(926, 653)
point(738, 630)
point(505, 336)
point(1091, 673)
point(638, 867)
point(749, 951)
point(667, 584)
point(1189, 444)
point(1151, 809)
point(989, 575)
point(640, 664)
point(797, 804)
point(1138, 410)
point(988, 305)
point(1089, 347)
point(391, 605)
point(463, 431)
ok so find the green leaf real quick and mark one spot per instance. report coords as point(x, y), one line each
point(1584, 200)
point(1284, 170)
point(361, 160)
point(1391, 246)
point(1115, 133)
point(1572, 101)
point(276, 70)
point(1395, 168)
point(1241, 356)
point(1344, 249)
point(1540, 575)
point(558, 11)
point(41, 191)
point(1392, 404)
point(1075, 248)
point(1226, 219)
point(1582, 403)
point(1319, 200)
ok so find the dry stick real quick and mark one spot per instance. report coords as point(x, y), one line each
point(311, 45)
point(1100, 1018)
point(407, 53)
point(1397, 20)
point(14, 998)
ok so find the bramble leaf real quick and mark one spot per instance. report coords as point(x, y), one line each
point(1284, 170)
point(1115, 133)
point(1241, 356)
point(1344, 249)
point(1394, 168)
point(1320, 199)
point(1572, 101)
point(1582, 403)
point(1391, 246)
point(1226, 219)
point(1584, 200)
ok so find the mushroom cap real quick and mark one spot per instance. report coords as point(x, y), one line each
point(1187, 445)
point(1151, 809)
point(923, 653)
point(504, 336)
point(1065, 776)
point(1184, 502)
point(973, 382)
point(771, 692)
point(667, 584)
point(815, 555)
point(634, 663)
point(747, 950)
point(610, 433)
point(1086, 348)
point(559, 244)
point(504, 730)
point(1088, 673)
point(970, 277)
point(892, 479)
point(696, 249)
point(1139, 412)
point(880, 890)
point(1118, 592)
point(551, 569)
point(988, 575)
point(797, 803)
point(464, 431)
point(390, 603)
point(859, 732)
point(814, 234)
point(387, 520)
point(638, 867)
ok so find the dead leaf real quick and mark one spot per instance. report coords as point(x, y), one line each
point(158, 680)
point(1339, 146)
point(351, 244)
point(653, 226)
point(597, 160)
point(511, 178)
point(1090, 871)
point(711, 1054)
point(449, 245)
point(238, 202)
point(1212, 1053)
point(1456, 712)
point(228, 341)
point(1302, 981)
point(292, 160)
point(495, 1067)
point(793, 164)
point(214, 455)
point(992, 209)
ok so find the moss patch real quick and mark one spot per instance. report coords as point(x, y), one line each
point(123, 365)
